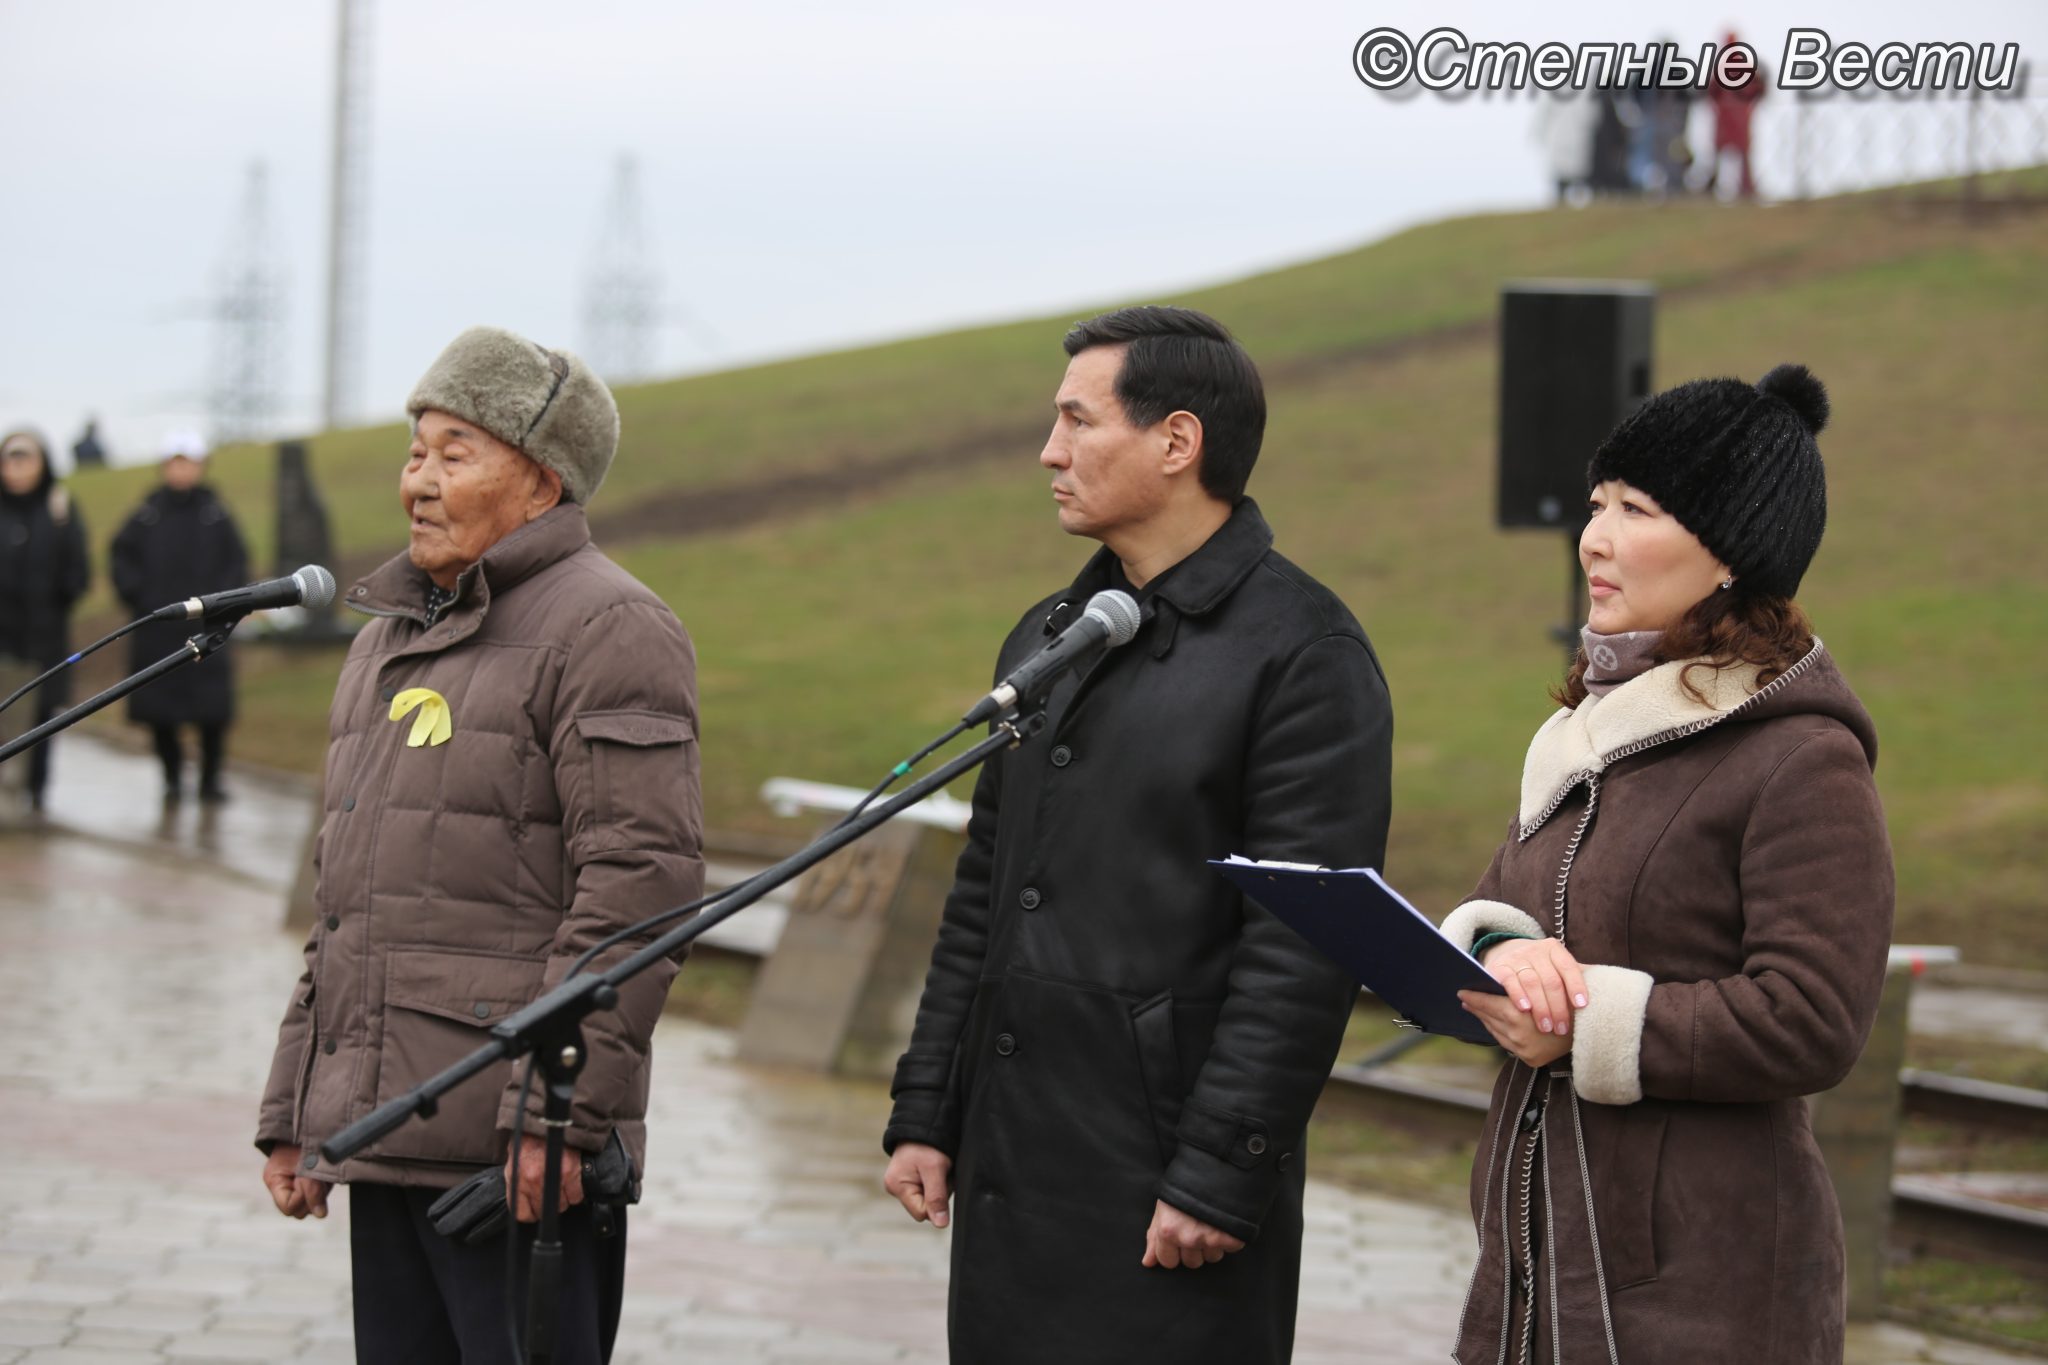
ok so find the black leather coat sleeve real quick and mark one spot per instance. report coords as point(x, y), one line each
point(923, 1086)
point(1316, 790)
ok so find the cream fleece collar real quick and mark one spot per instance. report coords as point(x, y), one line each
point(1581, 743)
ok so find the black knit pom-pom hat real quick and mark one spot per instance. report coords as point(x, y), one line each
point(1737, 464)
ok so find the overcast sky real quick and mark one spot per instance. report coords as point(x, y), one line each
point(812, 174)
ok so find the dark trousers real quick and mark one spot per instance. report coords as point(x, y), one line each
point(49, 701)
point(170, 753)
point(421, 1299)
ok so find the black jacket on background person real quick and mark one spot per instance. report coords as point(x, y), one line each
point(178, 544)
point(1107, 1022)
point(43, 571)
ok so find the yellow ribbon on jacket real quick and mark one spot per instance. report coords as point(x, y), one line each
point(433, 724)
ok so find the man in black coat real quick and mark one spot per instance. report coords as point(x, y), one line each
point(1116, 1054)
point(181, 543)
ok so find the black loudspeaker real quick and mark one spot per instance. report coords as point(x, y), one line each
point(1574, 361)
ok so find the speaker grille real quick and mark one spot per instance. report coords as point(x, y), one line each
point(1575, 360)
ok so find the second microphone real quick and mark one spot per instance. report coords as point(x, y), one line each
point(1110, 619)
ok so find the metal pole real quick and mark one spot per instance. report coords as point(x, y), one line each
point(1970, 186)
point(1802, 187)
point(338, 367)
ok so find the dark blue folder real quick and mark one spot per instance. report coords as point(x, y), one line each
point(1365, 927)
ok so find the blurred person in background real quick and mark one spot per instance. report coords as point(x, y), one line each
point(1674, 146)
point(181, 543)
point(1636, 102)
point(1691, 916)
point(44, 570)
point(86, 451)
point(1655, 116)
point(1671, 150)
point(1565, 123)
point(1734, 110)
point(1608, 172)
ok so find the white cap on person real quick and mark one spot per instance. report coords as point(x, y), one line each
point(190, 444)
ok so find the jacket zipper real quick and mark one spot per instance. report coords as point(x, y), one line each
point(1571, 854)
point(363, 995)
point(1532, 1120)
point(369, 866)
point(1472, 1280)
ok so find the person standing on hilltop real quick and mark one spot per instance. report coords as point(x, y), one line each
point(44, 570)
point(1734, 111)
point(1108, 1086)
point(87, 452)
point(182, 542)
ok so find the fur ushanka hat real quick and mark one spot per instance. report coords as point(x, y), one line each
point(1737, 464)
point(546, 404)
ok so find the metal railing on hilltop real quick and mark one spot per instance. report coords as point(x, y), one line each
point(1974, 150)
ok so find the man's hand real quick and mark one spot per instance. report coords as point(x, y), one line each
point(1177, 1239)
point(920, 1177)
point(294, 1194)
point(1544, 985)
point(533, 1167)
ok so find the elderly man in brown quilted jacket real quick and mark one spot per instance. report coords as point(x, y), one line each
point(511, 776)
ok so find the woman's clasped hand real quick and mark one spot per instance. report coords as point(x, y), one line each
point(1544, 986)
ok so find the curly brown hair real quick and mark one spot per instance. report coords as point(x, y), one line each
point(1722, 629)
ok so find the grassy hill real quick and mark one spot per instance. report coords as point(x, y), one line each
point(848, 536)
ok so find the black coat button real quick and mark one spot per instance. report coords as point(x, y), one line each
point(1005, 1045)
point(483, 1011)
point(1255, 1144)
point(348, 803)
point(312, 1160)
point(1287, 1161)
point(330, 1047)
point(1029, 898)
point(333, 922)
point(1062, 756)
point(389, 694)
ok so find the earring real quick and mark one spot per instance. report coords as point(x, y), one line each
point(1727, 583)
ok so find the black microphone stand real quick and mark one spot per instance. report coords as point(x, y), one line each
point(211, 637)
point(551, 1028)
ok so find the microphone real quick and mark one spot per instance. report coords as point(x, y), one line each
point(1111, 619)
point(311, 586)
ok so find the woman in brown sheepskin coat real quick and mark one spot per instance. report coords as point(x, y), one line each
point(1690, 913)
